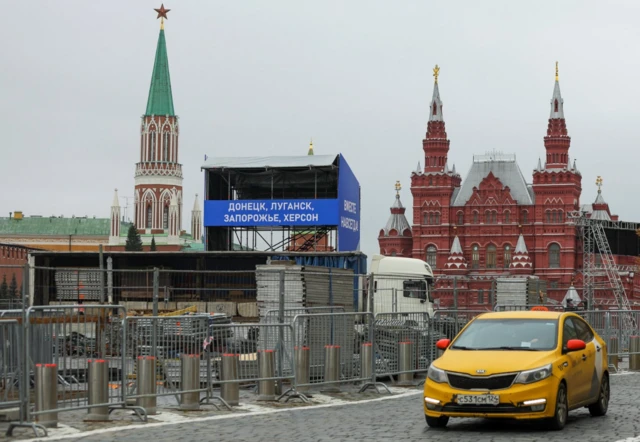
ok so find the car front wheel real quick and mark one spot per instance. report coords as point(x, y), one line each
point(600, 407)
point(559, 419)
point(437, 422)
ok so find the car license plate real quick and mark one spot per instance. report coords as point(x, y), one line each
point(478, 399)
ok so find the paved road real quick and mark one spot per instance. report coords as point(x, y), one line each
point(399, 420)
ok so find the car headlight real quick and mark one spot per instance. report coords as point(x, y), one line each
point(535, 375)
point(437, 375)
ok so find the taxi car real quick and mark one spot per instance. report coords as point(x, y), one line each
point(519, 365)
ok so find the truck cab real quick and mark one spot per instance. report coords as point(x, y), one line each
point(401, 285)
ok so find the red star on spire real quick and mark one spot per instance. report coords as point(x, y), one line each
point(162, 12)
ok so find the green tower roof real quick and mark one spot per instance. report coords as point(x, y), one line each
point(160, 100)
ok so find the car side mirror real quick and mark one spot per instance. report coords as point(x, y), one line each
point(443, 344)
point(575, 345)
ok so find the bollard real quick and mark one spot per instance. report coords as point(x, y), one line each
point(230, 391)
point(146, 381)
point(634, 352)
point(190, 380)
point(613, 351)
point(266, 369)
point(303, 362)
point(47, 394)
point(331, 368)
point(365, 360)
point(98, 371)
point(405, 359)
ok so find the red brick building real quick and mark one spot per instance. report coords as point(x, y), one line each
point(494, 222)
point(13, 257)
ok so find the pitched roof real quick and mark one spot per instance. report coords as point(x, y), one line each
point(505, 168)
point(51, 226)
point(397, 220)
point(160, 101)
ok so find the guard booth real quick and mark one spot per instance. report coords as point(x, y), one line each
point(307, 203)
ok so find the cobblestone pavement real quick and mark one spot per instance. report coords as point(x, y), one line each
point(398, 419)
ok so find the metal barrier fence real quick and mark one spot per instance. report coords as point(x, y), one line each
point(10, 358)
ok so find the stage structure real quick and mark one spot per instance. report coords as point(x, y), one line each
point(304, 203)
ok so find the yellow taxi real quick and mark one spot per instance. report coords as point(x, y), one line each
point(519, 365)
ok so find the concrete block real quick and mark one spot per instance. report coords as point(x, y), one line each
point(228, 308)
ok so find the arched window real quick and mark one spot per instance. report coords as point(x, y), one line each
point(554, 256)
point(432, 218)
point(165, 217)
point(475, 256)
point(432, 254)
point(475, 217)
point(507, 216)
point(487, 217)
point(555, 105)
point(393, 253)
point(437, 218)
point(560, 216)
point(507, 256)
point(525, 217)
point(431, 181)
point(149, 214)
point(460, 218)
point(152, 145)
point(165, 147)
point(434, 109)
point(425, 218)
point(491, 256)
point(548, 213)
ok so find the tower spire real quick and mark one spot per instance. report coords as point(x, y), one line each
point(435, 144)
point(310, 152)
point(557, 141)
point(160, 101)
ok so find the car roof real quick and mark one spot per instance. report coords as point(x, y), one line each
point(521, 314)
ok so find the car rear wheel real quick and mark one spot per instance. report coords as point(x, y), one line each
point(559, 419)
point(437, 422)
point(600, 407)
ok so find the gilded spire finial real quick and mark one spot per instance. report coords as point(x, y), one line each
point(599, 183)
point(556, 71)
point(398, 188)
point(436, 72)
point(310, 152)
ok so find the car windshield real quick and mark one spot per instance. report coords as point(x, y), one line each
point(509, 334)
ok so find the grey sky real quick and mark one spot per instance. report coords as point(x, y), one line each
point(254, 77)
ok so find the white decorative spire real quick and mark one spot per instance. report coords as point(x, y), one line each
point(196, 221)
point(521, 247)
point(453, 171)
point(114, 228)
point(455, 247)
point(419, 169)
point(174, 229)
point(539, 168)
point(557, 103)
point(446, 167)
point(456, 260)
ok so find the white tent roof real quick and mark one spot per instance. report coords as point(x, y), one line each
point(270, 162)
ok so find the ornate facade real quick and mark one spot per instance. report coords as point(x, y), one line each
point(493, 223)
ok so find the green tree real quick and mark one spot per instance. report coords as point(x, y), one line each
point(134, 243)
point(153, 244)
point(13, 288)
point(4, 288)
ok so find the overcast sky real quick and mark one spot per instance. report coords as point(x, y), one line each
point(262, 77)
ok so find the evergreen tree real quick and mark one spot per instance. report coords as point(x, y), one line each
point(153, 244)
point(134, 242)
point(4, 288)
point(13, 288)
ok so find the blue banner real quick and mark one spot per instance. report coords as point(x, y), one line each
point(266, 213)
point(349, 208)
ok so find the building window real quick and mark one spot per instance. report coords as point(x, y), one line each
point(475, 256)
point(475, 217)
point(165, 147)
point(507, 216)
point(480, 296)
point(460, 218)
point(554, 256)
point(437, 218)
point(152, 145)
point(432, 254)
point(487, 217)
point(548, 213)
point(525, 217)
point(165, 217)
point(491, 256)
point(149, 214)
point(393, 253)
point(431, 181)
point(425, 218)
point(507, 256)
point(553, 284)
point(553, 178)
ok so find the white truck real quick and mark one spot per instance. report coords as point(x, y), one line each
point(401, 285)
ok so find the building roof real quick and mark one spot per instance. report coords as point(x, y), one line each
point(505, 168)
point(271, 162)
point(160, 101)
point(397, 220)
point(52, 226)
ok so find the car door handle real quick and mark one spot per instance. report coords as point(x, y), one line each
point(584, 357)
